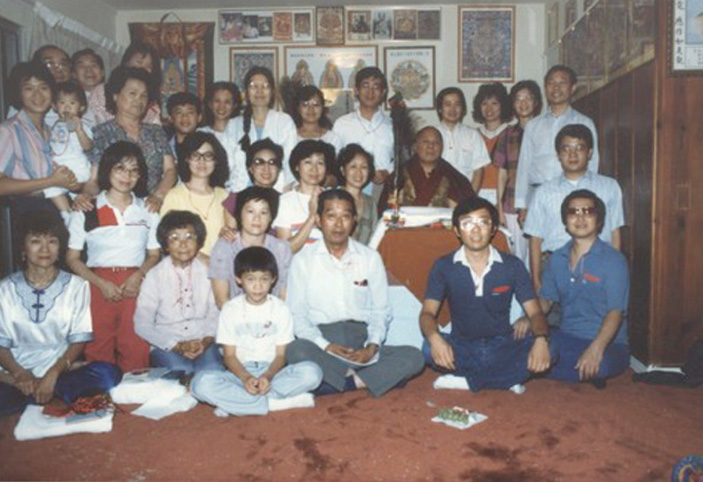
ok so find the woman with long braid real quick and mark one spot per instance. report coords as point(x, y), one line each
point(258, 122)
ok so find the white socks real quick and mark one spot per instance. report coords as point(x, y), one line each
point(304, 400)
point(454, 382)
point(218, 412)
point(518, 389)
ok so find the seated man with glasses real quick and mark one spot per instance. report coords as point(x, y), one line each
point(478, 281)
point(574, 146)
point(590, 280)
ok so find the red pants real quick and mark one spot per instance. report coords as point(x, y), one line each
point(114, 339)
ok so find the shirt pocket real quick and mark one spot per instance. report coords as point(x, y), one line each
point(360, 296)
point(498, 299)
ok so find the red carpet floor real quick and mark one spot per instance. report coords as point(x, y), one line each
point(627, 432)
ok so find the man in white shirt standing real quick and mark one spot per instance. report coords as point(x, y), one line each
point(369, 126)
point(338, 297)
point(538, 160)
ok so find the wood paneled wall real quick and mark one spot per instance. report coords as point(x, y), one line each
point(650, 128)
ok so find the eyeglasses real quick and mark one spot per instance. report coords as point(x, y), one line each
point(468, 224)
point(175, 237)
point(311, 103)
point(582, 211)
point(261, 162)
point(202, 157)
point(256, 86)
point(121, 169)
point(61, 64)
point(576, 148)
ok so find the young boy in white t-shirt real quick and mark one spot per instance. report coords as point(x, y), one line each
point(254, 330)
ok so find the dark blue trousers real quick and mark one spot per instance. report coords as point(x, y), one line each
point(91, 379)
point(495, 363)
point(616, 358)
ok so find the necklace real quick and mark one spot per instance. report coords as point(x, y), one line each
point(363, 124)
point(205, 214)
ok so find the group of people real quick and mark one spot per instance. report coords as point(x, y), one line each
point(233, 247)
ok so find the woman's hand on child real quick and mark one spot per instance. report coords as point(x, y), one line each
point(63, 177)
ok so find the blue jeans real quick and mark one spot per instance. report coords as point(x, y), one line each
point(210, 359)
point(91, 379)
point(495, 363)
point(616, 358)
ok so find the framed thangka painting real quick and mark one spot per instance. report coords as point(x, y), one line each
point(411, 72)
point(241, 59)
point(486, 44)
point(331, 69)
point(185, 50)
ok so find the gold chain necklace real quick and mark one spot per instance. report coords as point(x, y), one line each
point(205, 214)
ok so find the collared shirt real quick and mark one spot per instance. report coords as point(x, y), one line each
point(24, 152)
point(479, 305)
point(280, 128)
point(376, 136)
point(39, 325)
point(463, 148)
point(544, 216)
point(493, 257)
point(113, 238)
point(256, 330)
point(175, 304)
point(505, 156)
point(152, 140)
point(539, 161)
point(597, 285)
point(222, 262)
point(323, 289)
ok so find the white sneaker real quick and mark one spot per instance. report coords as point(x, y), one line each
point(452, 382)
point(304, 400)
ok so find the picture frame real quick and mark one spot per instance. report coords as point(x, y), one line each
point(405, 24)
point(411, 72)
point(382, 24)
point(241, 59)
point(329, 23)
point(486, 43)
point(251, 26)
point(685, 38)
point(186, 53)
point(332, 69)
point(359, 25)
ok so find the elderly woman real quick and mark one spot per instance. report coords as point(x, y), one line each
point(128, 93)
point(176, 312)
point(44, 324)
point(25, 162)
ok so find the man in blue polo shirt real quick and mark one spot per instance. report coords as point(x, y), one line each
point(589, 278)
point(479, 282)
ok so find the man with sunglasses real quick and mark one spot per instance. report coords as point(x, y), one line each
point(590, 280)
point(481, 352)
point(574, 146)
